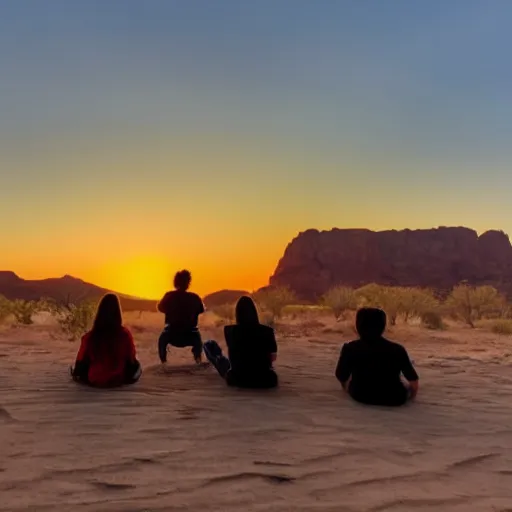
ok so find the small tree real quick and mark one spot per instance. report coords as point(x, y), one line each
point(473, 303)
point(23, 310)
point(274, 300)
point(340, 299)
point(77, 319)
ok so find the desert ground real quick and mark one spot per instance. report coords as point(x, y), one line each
point(180, 440)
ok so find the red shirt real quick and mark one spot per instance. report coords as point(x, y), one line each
point(108, 369)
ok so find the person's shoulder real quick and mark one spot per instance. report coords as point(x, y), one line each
point(86, 336)
point(394, 345)
point(266, 329)
point(194, 296)
point(169, 294)
point(352, 344)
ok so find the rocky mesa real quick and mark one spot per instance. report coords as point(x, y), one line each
point(438, 258)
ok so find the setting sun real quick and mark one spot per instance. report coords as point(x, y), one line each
point(143, 276)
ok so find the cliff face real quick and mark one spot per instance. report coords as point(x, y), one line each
point(438, 258)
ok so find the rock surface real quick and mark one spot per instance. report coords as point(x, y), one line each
point(437, 258)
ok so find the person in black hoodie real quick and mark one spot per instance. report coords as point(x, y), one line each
point(370, 368)
point(252, 350)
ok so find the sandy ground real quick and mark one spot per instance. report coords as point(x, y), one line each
point(181, 440)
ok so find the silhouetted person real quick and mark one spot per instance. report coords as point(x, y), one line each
point(252, 349)
point(370, 368)
point(107, 356)
point(181, 309)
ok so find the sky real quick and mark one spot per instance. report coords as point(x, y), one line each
point(141, 137)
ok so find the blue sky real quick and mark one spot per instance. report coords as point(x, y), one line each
point(269, 116)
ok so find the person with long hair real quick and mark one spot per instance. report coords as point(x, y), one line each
point(181, 309)
point(371, 368)
point(252, 350)
point(107, 356)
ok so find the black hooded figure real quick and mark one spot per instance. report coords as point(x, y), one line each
point(370, 369)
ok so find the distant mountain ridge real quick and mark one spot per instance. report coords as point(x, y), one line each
point(222, 297)
point(64, 289)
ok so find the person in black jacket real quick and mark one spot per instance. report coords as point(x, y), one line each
point(252, 350)
point(370, 368)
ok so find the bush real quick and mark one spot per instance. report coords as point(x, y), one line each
point(225, 312)
point(24, 310)
point(268, 319)
point(5, 308)
point(387, 298)
point(340, 300)
point(432, 320)
point(274, 300)
point(470, 303)
point(75, 320)
point(418, 302)
point(503, 326)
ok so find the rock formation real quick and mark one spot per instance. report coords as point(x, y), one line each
point(437, 258)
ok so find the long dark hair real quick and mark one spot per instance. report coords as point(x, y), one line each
point(108, 323)
point(246, 312)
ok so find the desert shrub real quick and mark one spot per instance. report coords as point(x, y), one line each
point(267, 318)
point(5, 308)
point(76, 319)
point(226, 312)
point(339, 300)
point(503, 326)
point(274, 300)
point(417, 302)
point(470, 303)
point(388, 298)
point(49, 305)
point(406, 302)
point(432, 320)
point(23, 310)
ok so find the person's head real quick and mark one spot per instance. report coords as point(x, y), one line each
point(182, 280)
point(109, 318)
point(246, 312)
point(370, 323)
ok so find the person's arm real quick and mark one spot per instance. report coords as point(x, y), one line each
point(414, 386)
point(228, 336)
point(272, 346)
point(410, 374)
point(200, 306)
point(81, 369)
point(344, 367)
point(162, 305)
point(132, 352)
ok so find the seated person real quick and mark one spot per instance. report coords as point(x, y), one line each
point(181, 309)
point(371, 367)
point(252, 349)
point(107, 355)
